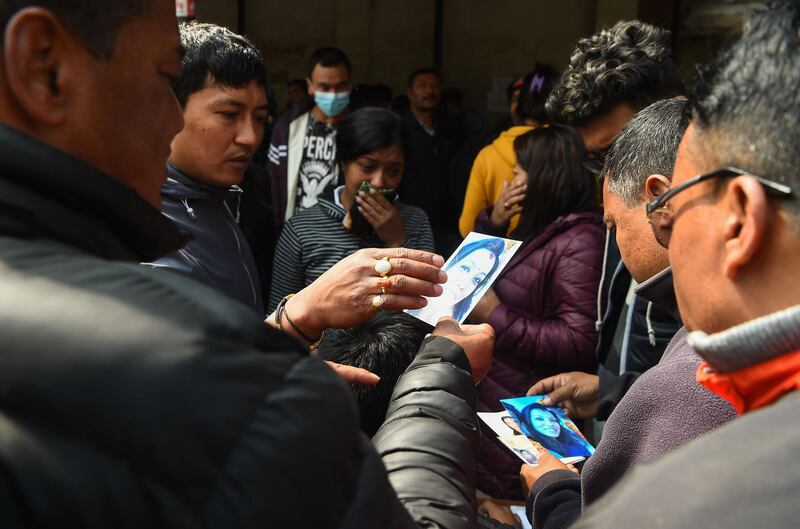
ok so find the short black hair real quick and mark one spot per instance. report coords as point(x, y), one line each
point(95, 22)
point(297, 81)
point(629, 63)
point(421, 71)
point(216, 55)
point(366, 130)
point(536, 86)
point(746, 102)
point(647, 145)
point(328, 57)
point(558, 181)
point(385, 344)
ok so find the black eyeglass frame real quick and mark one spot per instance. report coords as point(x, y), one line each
point(772, 187)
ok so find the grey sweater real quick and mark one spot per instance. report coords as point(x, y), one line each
point(663, 409)
point(740, 476)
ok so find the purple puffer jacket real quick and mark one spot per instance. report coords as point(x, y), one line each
point(545, 325)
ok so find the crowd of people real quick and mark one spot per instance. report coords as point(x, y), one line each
point(202, 303)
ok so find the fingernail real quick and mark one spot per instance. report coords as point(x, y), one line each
point(438, 260)
point(437, 290)
point(372, 191)
point(442, 277)
point(547, 402)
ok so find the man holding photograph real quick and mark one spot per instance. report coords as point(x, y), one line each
point(664, 408)
point(132, 397)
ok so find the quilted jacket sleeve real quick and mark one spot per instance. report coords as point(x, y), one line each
point(429, 442)
point(567, 337)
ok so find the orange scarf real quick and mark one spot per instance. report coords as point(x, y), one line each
point(756, 386)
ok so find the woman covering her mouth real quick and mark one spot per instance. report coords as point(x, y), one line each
point(352, 215)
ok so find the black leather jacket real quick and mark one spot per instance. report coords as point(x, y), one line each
point(131, 397)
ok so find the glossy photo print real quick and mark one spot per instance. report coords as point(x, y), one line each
point(523, 448)
point(471, 270)
point(549, 426)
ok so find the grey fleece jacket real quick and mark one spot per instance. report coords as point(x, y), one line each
point(663, 409)
point(740, 476)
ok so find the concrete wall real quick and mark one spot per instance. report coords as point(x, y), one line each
point(610, 11)
point(222, 12)
point(385, 40)
point(484, 42)
point(505, 41)
point(388, 39)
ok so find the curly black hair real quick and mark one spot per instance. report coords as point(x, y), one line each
point(628, 63)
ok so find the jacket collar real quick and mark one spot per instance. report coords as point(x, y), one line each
point(48, 194)
point(753, 342)
point(659, 290)
point(179, 185)
point(328, 204)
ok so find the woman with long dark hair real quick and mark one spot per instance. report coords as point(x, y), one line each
point(542, 306)
point(364, 212)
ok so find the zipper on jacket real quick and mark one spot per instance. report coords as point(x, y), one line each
point(246, 271)
point(189, 209)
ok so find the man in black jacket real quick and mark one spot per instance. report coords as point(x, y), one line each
point(302, 150)
point(430, 143)
point(222, 90)
point(134, 398)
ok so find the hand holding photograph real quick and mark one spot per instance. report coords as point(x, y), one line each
point(471, 270)
point(548, 426)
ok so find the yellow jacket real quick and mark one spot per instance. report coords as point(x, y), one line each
point(492, 167)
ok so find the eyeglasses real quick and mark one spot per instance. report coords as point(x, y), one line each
point(661, 219)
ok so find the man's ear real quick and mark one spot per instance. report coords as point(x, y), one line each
point(34, 53)
point(309, 87)
point(746, 219)
point(656, 185)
